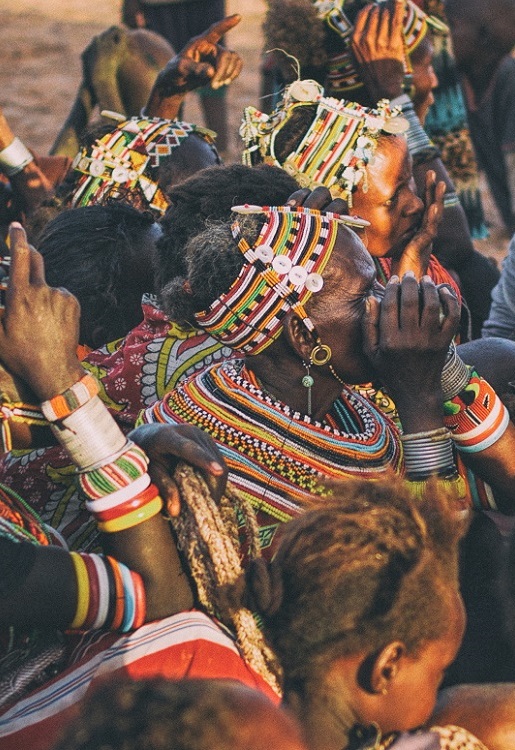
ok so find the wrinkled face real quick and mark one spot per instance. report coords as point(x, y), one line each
point(412, 697)
point(338, 310)
point(424, 77)
point(390, 204)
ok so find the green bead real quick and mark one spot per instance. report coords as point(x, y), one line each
point(307, 381)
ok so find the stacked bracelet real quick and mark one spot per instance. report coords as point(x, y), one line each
point(14, 158)
point(109, 595)
point(126, 468)
point(73, 398)
point(455, 374)
point(476, 416)
point(428, 453)
point(417, 138)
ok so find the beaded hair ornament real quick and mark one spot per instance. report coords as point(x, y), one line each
point(124, 160)
point(342, 75)
point(340, 142)
point(282, 270)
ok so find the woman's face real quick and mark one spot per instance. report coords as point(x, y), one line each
point(337, 311)
point(390, 203)
point(411, 697)
point(424, 77)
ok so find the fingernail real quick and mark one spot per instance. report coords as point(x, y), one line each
point(409, 274)
point(426, 278)
point(394, 279)
point(16, 225)
point(214, 466)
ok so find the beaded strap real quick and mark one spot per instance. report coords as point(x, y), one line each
point(109, 595)
point(18, 413)
point(476, 416)
point(64, 404)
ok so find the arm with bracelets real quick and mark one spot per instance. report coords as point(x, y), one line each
point(141, 577)
point(482, 432)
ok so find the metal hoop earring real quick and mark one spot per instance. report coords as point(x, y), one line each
point(320, 355)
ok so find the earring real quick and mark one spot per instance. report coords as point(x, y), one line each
point(307, 381)
point(320, 355)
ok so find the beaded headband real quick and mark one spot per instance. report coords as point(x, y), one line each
point(342, 75)
point(124, 160)
point(340, 141)
point(282, 270)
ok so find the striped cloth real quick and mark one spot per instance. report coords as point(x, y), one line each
point(189, 644)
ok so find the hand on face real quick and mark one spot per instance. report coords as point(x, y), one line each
point(39, 329)
point(202, 62)
point(415, 256)
point(407, 336)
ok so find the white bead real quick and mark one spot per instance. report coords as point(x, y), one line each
point(298, 275)
point(247, 208)
point(314, 282)
point(96, 168)
point(281, 264)
point(120, 174)
point(264, 253)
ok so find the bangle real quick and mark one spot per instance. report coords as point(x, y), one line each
point(90, 435)
point(130, 601)
point(476, 416)
point(130, 520)
point(124, 470)
point(71, 399)
point(129, 506)
point(428, 453)
point(119, 597)
point(81, 573)
point(417, 138)
point(140, 600)
point(14, 158)
point(94, 592)
point(120, 496)
point(479, 493)
point(455, 374)
point(103, 596)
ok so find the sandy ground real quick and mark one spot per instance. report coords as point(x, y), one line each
point(40, 46)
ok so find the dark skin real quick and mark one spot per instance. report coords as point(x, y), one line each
point(202, 62)
point(38, 341)
point(405, 344)
point(378, 47)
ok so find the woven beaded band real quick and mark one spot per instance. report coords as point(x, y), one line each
point(61, 406)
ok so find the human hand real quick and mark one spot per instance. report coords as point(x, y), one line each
point(166, 445)
point(406, 338)
point(378, 47)
point(416, 255)
point(203, 61)
point(40, 326)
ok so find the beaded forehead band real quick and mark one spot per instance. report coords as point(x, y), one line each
point(125, 159)
point(282, 270)
point(342, 75)
point(340, 142)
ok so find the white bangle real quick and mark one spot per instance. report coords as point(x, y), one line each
point(90, 435)
point(14, 158)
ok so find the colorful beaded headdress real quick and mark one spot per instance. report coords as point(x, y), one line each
point(124, 162)
point(342, 75)
point(338, 145)
point(282, 270)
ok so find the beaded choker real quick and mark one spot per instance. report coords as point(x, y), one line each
point(338, 145)
point(124, 160)
point(282, 270)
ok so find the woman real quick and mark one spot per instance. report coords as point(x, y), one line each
point(284, 417)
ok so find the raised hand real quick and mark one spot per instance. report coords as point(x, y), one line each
point(378, 46)
point(416, 254)
point(202, 62)
point(40, 326)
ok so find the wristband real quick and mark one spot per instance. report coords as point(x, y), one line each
point(73, 398)
point(136, 502)
point(130, 520)
point(428, 453)
point(117, 498)
point(14, 158)
point(455, 374)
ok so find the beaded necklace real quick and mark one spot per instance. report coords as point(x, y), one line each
point(277, 457)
